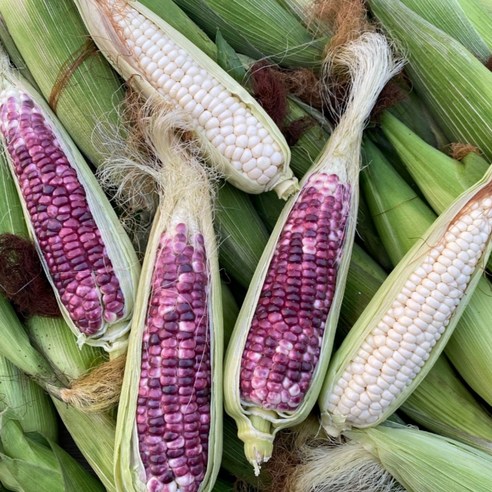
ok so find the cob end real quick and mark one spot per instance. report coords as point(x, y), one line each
point(333, 424)
point(258, 441)
point(287, 187)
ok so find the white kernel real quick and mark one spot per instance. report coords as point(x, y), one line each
point(163, 79)
point(364, 416)
point(185, 99)
point(249, 166)
point(211, 134)
point(429, 284)
point(388, 372)
point(392, 344)
point(370, 375)
point(263, 163)
point(246, 154)
point(374, 390)
point(379, 340)
point(241, 140)
point(190, 105)
point(277, 159)
point(448, 279)
point(385, 351)
point(253, 141)
point(355, 411)
point(255, 173)
point(364, 399)
point(217, 140)
point(218, 110)
point(212, 122)
point(375, 362)
point(230, 150)
point(170, 69)
point(182, 92)
point(271, 171)
point(398, 358)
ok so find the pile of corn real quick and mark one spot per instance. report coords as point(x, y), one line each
point(244, 245)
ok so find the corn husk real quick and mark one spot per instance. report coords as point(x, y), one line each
point(30, 465)
point(257, 426)
point(258, 28)
point(124, 260)
point(469, 348)
point(241, 234)
point(459, 94)
point(450, 18)
point(392, 457)
point(79, 84)
point(303, 10)
point(336, 423)
point(104, 31)
point(30, 403)
point(413, 112)
point(479, 12)
point(93, 433)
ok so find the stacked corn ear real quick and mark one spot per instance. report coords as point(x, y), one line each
point(480, 14)
point(169, 426)
point(459, 94)
point(469, 348)
point(407, 324)
point(441, 402)
point(78, 83)
point(85, 253)
point(236, 134)
point(258, 29)
point(32, 463)
point(285, 328)
point(450, 18)
point(393, 457)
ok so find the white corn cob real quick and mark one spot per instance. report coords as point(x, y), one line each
point(235, 132)
point(368, 380)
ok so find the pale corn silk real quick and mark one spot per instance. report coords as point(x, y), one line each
point(284, 341)
point(396, 350)
point(174, 398)
point(226, 121)
point(63, 223)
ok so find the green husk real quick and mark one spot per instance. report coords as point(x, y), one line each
point(440, 177)
point(30, 403)
point(28, 465)
point(402, 218)
point(479, 12)
point(449, 17)
point(456, 87)
point(54, 45)
point(414, 113)
point(241, 234)
point(258, 28)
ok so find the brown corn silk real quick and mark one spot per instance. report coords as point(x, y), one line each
point(85, 253)
point(284, 333)
point(168, 430)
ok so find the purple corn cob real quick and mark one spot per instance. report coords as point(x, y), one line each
point(284, 340)
point(66, 232)
point(174, 398)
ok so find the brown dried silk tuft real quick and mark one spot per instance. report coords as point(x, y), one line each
point(22, 279)
point(65, 229)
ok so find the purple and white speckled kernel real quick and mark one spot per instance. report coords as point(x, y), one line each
point(284, 340)
point(173, 407)
point(67, 234)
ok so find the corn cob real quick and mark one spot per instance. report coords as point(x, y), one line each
point(283, 350)
point(450, 18)
point(404, 328)
point(233, 130)
point(258, 29)
point(391, 457)
point(469, 347)
point(169, 421)
point(93, 276)
point(459, 94)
